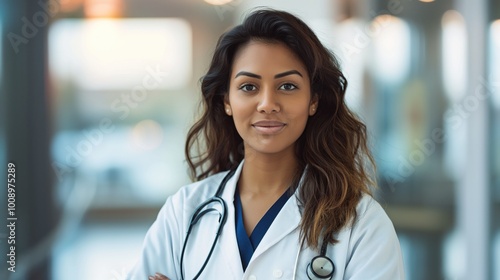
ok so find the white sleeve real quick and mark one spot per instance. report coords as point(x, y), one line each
point(374, 248)
point(161, 246)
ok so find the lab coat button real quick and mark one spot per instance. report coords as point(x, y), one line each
point(277, 273)
point(252, 277)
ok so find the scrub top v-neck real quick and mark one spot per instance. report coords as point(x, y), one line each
point(248, 244)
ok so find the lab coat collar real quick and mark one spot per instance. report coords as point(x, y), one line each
point(229, 245)
point(228, 193)
point(285, 222)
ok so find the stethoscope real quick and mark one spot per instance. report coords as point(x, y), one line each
point(320, 267)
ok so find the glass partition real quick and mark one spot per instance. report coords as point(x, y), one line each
point(120, 93)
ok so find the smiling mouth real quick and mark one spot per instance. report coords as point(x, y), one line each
point(269, 127)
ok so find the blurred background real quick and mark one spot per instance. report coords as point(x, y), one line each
point(97, 97)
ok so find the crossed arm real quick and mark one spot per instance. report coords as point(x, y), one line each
point(158, 276)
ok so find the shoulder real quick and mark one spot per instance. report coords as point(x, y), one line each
point(373, 246)
point(368, 207)
point(197, 192)
point(175, 212)
point(188, 198)
point(371, 215)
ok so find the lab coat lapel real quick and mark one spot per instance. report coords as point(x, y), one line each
point(229, 245)
point(288, 220)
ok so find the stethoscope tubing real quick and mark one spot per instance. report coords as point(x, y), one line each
point(200, 212)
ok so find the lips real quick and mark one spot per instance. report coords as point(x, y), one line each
point(268, 126)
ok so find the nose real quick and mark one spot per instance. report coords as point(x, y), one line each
point(268, 102)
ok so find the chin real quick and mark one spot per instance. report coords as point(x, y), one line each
point(269, 149)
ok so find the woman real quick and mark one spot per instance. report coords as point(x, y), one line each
point(297, 197)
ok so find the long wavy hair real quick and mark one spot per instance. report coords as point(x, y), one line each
point(333, 145)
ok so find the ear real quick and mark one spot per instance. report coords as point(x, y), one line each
point(227, 105)
point(313, 105)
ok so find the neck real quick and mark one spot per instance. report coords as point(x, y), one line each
point(267, 173)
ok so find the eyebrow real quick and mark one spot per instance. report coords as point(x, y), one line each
point(280, 75)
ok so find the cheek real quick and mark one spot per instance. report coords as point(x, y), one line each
point(241, 112)
point(300, 110)
point(300, 118)
point(241, 107)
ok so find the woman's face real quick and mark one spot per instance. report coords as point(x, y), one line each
point(269, 97)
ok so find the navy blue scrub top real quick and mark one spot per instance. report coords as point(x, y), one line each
point(248, 244)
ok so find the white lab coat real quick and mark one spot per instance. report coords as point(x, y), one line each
point(369, 250)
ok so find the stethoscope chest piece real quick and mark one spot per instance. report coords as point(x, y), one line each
point(321, 267)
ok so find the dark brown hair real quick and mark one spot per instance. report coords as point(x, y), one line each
point(333, 145)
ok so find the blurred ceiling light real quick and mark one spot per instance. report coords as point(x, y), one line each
point(121, 54)
point(496, 25)
point(218, 2)
point(103, 8)
point(454, 55)
point(427, 1)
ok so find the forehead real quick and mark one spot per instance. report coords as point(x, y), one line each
point(273, 57)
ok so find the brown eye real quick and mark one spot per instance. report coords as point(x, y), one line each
point(248, 87)
point(288, 87)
